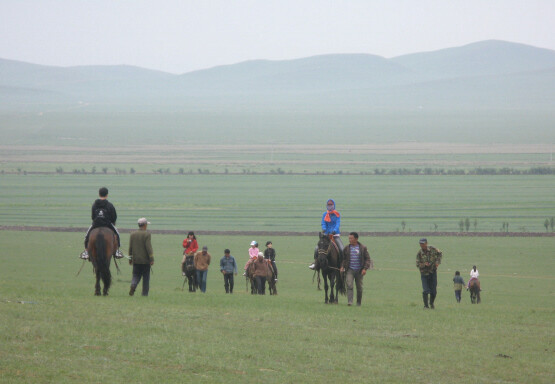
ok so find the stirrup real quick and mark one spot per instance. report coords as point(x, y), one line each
point(84, 255)
point(118, 254)
point(312, 266)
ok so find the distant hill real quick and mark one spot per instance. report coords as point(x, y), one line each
point(361, 92)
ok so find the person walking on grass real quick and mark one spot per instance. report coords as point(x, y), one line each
point(141, 257)
point(428, 260)
point(202, 261)
point(261, 271)
point(356, 262)
point(228, 267)
point(458, 284)
point(103, 214)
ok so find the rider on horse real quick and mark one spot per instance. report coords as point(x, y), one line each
point(103, 215)
point(330, 226)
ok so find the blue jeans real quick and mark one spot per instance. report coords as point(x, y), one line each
point(201, 280)
point(429, 283)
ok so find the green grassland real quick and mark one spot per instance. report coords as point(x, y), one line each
point(54, 330)
point(283, 202)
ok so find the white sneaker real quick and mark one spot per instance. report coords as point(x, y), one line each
point(245, 273)
point(119, 254)
point(312, 266)
point(84, 255)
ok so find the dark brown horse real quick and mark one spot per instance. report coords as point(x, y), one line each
point(102, 246)
point(329, 262)
point(188, 268)
point(474, 288)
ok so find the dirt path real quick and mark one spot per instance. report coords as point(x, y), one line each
point(287, 233)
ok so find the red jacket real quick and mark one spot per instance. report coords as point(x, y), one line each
point(190, 246)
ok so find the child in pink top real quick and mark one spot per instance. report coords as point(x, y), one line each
point(253, 255)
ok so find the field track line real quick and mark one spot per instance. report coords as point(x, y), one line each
point(284, 233)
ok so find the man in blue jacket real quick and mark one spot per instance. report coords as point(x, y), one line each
point(331, 221)
point(228, 267)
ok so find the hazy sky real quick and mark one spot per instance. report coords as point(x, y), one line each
point(180, 35)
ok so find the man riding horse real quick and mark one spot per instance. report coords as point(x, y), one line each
point(103, 214)
point(331, 222)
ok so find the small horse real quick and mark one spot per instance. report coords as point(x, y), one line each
point(188, 267)
point(270, 278)
point(102, 246)
point(329, 264)
point(474, 288)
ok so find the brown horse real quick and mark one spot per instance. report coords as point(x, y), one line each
point(474, 288)
point(102, 246)
point(329, 262)
point(270, 278)
point(188, 268)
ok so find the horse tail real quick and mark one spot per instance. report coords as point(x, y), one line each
point(341, 283)
point(102, 265)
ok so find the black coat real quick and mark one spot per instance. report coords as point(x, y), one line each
point(103, 213)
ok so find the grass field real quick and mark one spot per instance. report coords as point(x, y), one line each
point(284, 202)
point(54, 330)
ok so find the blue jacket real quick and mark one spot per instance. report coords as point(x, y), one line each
point(333, 226)
point(228, 265)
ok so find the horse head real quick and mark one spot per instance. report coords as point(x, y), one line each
point(323, 251)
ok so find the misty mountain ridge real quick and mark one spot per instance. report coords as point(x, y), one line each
point(488, 74)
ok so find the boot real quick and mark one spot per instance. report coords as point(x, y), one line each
point(425, 298)
point(432, 299)
point(132, 290)
point(359, 299)
point(84, 255)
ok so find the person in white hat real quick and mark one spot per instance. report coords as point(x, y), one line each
point(253, 255)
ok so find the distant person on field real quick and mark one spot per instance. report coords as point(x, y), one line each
point(355, 264)
point(270, 254)
point(428, 260)
point(228, 267)
point(458, 284)
point(103, 214)
point(141, 257)
point(474, 274)
point(191, 246)
point(331, 222)
point(261, 271)
point(253, 255)
point(202, 261)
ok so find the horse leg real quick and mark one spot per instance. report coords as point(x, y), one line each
point(332, 286)
point(326, 287)
point(97, 285)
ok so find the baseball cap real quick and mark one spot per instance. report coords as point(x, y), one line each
point(423, 241)
point(143, 221)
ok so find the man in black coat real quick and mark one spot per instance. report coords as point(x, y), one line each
point(103, 214)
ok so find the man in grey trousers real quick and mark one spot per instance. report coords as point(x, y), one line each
point(141, 257)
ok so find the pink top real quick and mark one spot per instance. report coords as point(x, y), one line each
point(253, 252)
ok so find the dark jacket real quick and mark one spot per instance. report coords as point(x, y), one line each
point(103, 212)
point(140, 247)
point(364, 256)
point(270, 253)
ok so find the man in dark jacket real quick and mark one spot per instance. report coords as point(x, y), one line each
point(228, 267)
point(356, 261)
point(103, 214)
point(141, 257)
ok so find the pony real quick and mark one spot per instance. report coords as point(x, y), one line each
point(474, 288)
point(329, 262)
point(102, 246)
point(270, 278)
point(188, 268)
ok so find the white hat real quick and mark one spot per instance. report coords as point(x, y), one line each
point(260, 254)
point(253, 243)
point(143, 221)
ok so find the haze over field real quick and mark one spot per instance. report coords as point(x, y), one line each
point(492, 91)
